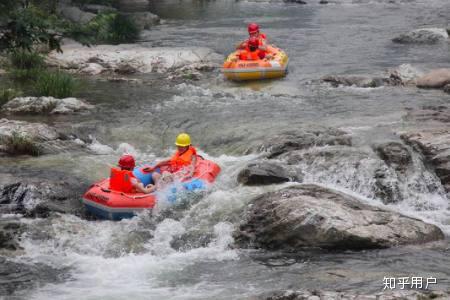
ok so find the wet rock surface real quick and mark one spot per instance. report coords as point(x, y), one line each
point(25, 276)
point(313, 216)
point(302, 139)
point(264, 172)
point(395, 154)
point(433, 140)
point(422, 36)
point(45, 105)
point(34, 195)
point(10, 231)
point(402, 75)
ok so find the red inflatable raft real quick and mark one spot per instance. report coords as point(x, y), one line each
point(106, 203)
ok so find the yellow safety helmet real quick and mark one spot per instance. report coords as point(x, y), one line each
point(183, 140)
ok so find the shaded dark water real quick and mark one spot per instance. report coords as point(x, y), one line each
point(136, 258)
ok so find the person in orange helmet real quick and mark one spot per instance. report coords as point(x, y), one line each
point(252, 51)
point(123, 180)
point(253, 31)
point(184, 159)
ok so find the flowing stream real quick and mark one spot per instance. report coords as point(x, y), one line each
point(186, 252)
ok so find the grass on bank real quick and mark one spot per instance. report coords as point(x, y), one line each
point(18, 144)
point(8, 94)
point(56, 84)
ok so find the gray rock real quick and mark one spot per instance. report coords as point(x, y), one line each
point(41, 136)
point(313, 216)
point(45, 105)
point(75, 14)
point(357, 81)
point(263, 173)
point(34, 196)
point(18, 277)
point(144, 20)
point(132, 5)
point(302, 139)
point(422, 36)
point(447, 88)
point(434, 144)
point(10, 231)
point(97, 9)
point(434, 79)
point(142, 59)
point(395, 154)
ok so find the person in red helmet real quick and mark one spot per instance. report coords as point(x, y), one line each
point(123, 180)
point(252, 51)
point(253, 31)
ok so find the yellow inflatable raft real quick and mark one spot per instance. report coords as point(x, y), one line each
point(273, 67)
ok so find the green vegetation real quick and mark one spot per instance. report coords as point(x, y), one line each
point(18, 144)
point(56, 84)
point(99, 2)
point(8, 94)
point(24, 59)
point(112, 28)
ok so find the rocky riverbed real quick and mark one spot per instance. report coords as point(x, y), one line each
point(332, 178)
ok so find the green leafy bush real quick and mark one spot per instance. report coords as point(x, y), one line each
point(56, 84)
point(17, 144)
point(113, 28)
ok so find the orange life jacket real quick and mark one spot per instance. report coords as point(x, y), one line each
point(121, 180)
point(181, 160)
point(251, 55)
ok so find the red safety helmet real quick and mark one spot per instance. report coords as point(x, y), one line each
point(127, 162)
point(253, 42)
point(253, 27)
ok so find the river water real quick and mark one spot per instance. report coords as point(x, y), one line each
point(187, 253)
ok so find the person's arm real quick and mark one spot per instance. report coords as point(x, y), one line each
point(160, 164)
point(141, 188)
point(241, 45)
point(192, 166)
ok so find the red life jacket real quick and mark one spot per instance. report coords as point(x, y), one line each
point(180, 160)
point(121, 180)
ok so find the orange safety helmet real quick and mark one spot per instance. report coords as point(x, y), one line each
point(253, 27)
point(127, 162)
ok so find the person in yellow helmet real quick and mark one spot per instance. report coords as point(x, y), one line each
point(184, 159)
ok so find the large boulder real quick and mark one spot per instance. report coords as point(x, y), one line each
point(356, 81)
point(34, 196)
point(21, 137)
point(76, 15)
point(264, 172)
point(132, 5)
point(434, 79)
point(433, 140)
point(139, 58)
point(45, 105)
point(422, 36)
point(10, 231)
point(395, 154)
point(302, 139)
point(313, 216)
point(144, 20)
